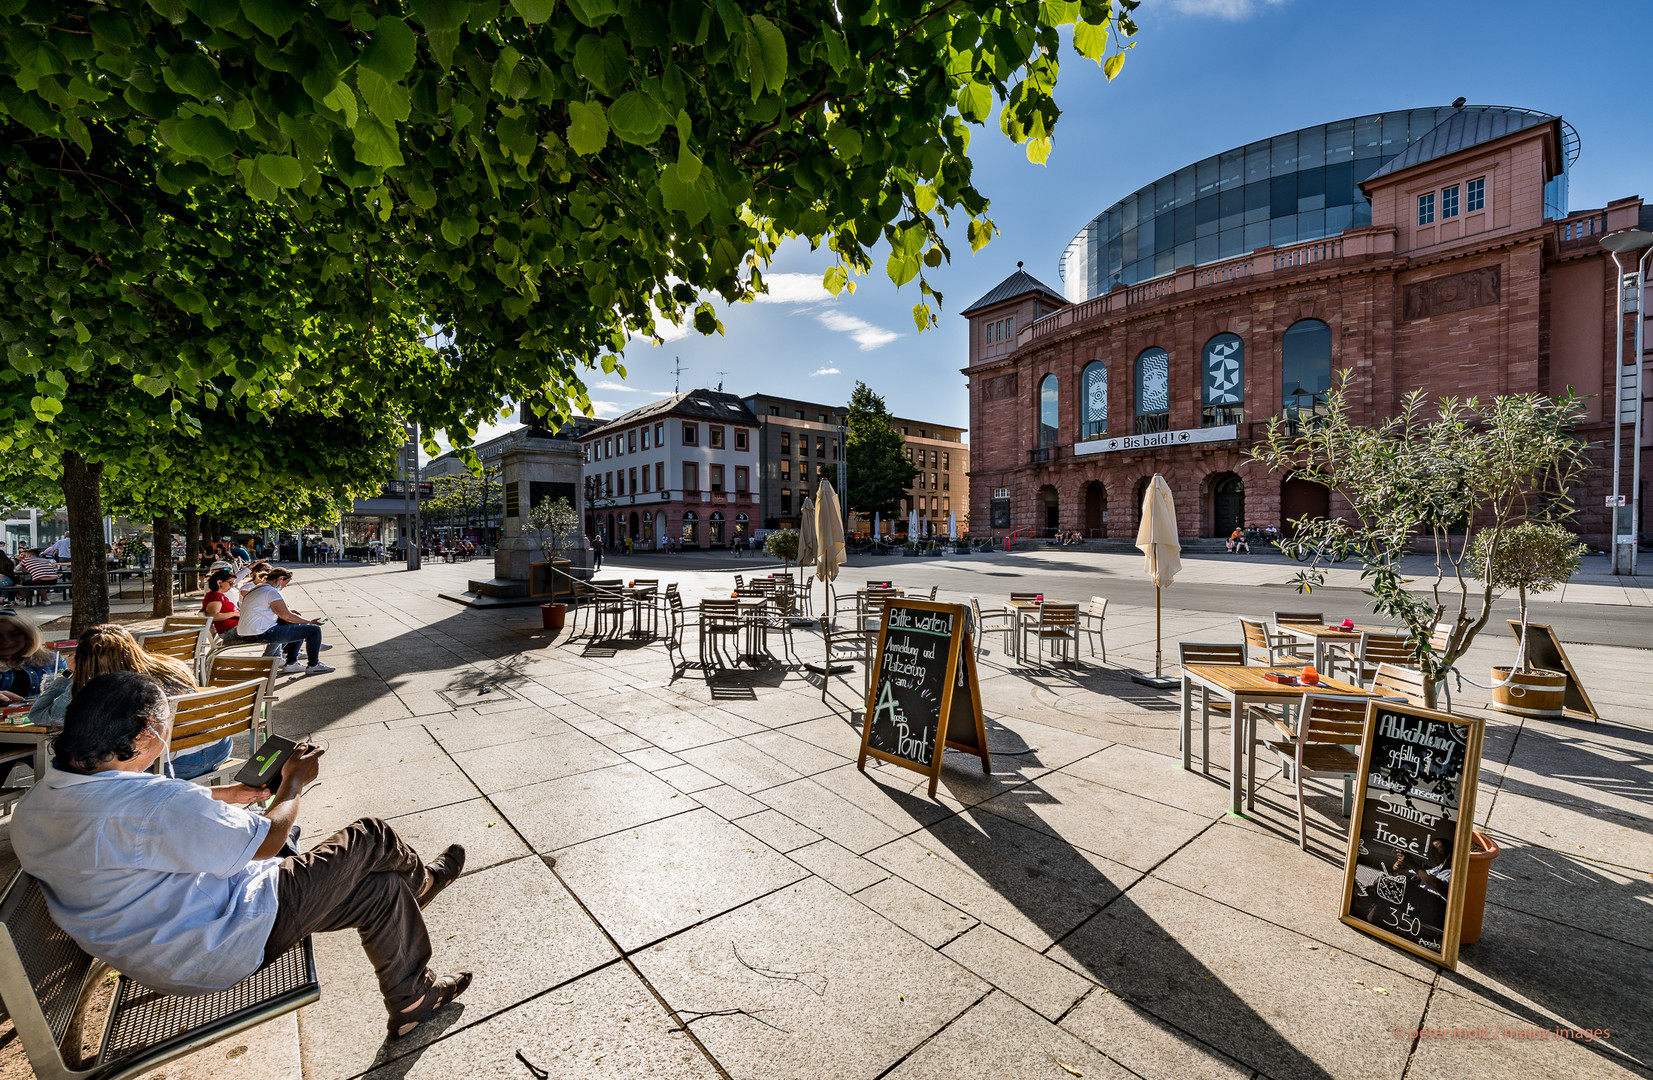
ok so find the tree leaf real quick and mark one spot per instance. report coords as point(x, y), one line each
point(535, 12)
point(440, 14)
point(833, 280)
point(376, 144)
point(587, 127)
point(1111, 66)
point(387, 100)
point(602, 61)
point(593, 12)
point(901, 267)
point(390, 52)
point(343, 99)
point(637, 118)
point(845, 140)
point(682, 197)
point(981, 231)
point(283, 171)
point(207, 137)
point(1090, 41)
point(274, 17)
point(1038, 150)
point(772, 48)
point(975, 102)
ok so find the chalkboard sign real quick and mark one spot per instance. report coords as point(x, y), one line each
point(1409, 841)
point(924, 696)
point(1544, 651)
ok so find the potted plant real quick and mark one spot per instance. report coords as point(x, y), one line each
point(554, 521)
point(1529, 558)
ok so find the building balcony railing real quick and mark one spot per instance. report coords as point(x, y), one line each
point(1365, 242)
point(1043, 455)
point(1152, 423)
point(1574, 230)
point(396, 489)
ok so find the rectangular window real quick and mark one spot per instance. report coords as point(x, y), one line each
point(1475, 197)
point(645, 477)
point(645, 438)
point(1426, 208)
point(631, 442)
point(717, 477)
point(820, 446)
point(659, 476)
point(797, 414)
point(786, 469)
point(786, 501)
point(740, 438)
point(660, 434)
point(691, 479)
point(608, 448)
point(691, 434)
point(803, 472)
point(608, 485)
point(716, 442)
point(741, 475)
point(774, 410)
point(786, 442)
point(821, 417)
point(620, 482)
point(1449, 202)
point(946, 460)
point(633, 478)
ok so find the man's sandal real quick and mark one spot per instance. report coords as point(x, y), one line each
point(441, 992)
point(442, 873)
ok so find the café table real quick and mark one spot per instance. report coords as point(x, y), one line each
point(15, 730)
point(1243, 687)
point(1020, 610)
point(1326, 638)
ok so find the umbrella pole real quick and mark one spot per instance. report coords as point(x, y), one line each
point(1157, 673)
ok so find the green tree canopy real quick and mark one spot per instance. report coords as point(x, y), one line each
point(877, 470)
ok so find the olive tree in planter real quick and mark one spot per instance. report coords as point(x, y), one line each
point(554, 521)
point(1460, 474)
point(782, 544)
point(1529, 558)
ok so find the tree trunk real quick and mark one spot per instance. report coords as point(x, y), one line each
point(83, 497)
point(161, 577)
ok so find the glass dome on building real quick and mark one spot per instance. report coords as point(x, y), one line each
point(1294, 187)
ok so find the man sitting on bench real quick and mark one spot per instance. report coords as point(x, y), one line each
point(170, 884)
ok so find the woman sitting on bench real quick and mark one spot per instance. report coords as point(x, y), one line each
point(108, 648)
point(217, 603)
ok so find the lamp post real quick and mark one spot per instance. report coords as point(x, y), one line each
point(1627, 397)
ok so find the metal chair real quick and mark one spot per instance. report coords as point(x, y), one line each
point(1096, 614)
point(843, 645)
point(1373, 651)
point(992, 622)
point(46, 980)
point(1201, 652)
point(608, 608)
point(1264, 647)
point(1326, 728)
point(718, 619)
point(1057, 623)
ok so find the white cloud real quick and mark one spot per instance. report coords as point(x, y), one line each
point(663, 393)
point(825, 371)
point(793, 289)
point(607, 410)
point(863, 333)
point(1223, 9)
point(612, 385)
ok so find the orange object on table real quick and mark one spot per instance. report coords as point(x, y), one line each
point(1310, 676)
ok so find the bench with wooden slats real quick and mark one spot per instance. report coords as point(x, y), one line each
point(216, 713)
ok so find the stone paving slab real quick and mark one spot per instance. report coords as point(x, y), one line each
point(1033, 979)
point(566, 811)
point(657, 879)
point(826, 987)
point(1002, 1039)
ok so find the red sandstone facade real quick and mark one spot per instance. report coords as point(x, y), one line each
point(1495, 301)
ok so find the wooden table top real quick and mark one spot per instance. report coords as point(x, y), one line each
point(1235, 679)
point(1315, 630)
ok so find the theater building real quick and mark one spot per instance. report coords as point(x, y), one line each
point(1428, 248)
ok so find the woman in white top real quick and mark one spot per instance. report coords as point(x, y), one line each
point(265, 617)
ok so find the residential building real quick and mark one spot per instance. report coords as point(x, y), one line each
point(799, 445)
point(942, 486)
point(1426, 249)
point(682, 467)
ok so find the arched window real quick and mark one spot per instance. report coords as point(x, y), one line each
point(1224, 380)
point(1153, 391)
point(717, 528)
point(1093, 388)
point(1305, 369)
point(1047, 411)
point(691, 526)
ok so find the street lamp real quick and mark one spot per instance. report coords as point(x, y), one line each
point(1627, 396)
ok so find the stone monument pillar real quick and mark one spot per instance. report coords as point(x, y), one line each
point(538, 465)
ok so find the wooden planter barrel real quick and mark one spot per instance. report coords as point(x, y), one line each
point(1529, 693)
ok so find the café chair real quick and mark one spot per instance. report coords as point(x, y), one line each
point(1371, 652)
point(992, 622)
point(1215, 652)
point(718, 619)
point(1396, 683)
point(1327, 727)
point(1266, 648)
point(1091, 621)
point(1317, 618)
point(1056, 623)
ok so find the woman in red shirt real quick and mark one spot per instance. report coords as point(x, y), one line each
point(218, 604)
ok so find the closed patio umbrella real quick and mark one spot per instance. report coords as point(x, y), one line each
point(806, 535)
point(1162, 558)
point(829, 533)
point(877, 525)
point(952, 525)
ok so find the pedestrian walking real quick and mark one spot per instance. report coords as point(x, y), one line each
point(597, 552)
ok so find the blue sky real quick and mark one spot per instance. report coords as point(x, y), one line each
point(1206, 75)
